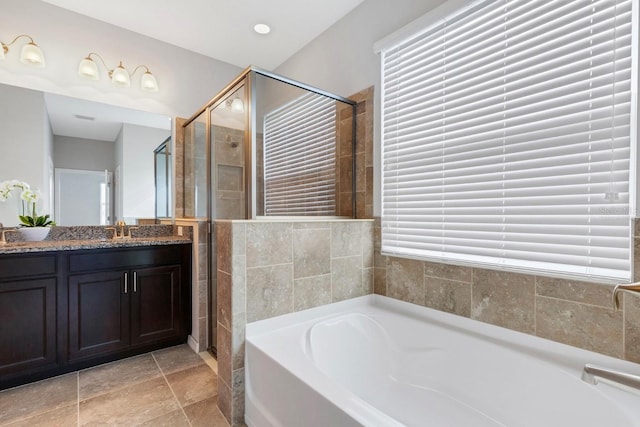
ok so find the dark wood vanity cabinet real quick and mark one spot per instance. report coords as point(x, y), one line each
point(155, 304)
point(29, 288)
point(115, 310)
point(82, 308)
point(98, 314)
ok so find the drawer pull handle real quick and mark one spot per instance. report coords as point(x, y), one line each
point(126, 282)
point(135, 282)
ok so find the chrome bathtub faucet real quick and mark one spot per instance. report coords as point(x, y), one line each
point(591, 374)
point(633, 287)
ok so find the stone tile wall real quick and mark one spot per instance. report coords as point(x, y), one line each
point(269, 268)
point(568, 311)
point(228, 175)
point(198, 340)
point(364, 156)
point(178, 168)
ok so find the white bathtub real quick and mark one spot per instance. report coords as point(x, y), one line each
point(376, 361)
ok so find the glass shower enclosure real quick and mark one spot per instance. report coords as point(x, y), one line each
point(162, 179)
point(267, 146)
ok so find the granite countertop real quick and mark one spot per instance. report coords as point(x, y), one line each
point(71, 245)
point(98, 237)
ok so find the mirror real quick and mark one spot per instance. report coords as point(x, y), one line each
point(94, 163)
point(163, 179)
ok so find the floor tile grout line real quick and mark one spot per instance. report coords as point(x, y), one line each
point(171, 389)
point(78, 397)
point(79, 400)
point(118, 387)
point(32, 415)
point(25, 417)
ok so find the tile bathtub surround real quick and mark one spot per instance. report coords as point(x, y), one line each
point(568, 311)
point(172, 387)
point(267, 268)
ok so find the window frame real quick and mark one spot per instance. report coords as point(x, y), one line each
point(453, 6)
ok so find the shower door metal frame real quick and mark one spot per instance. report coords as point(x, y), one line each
point(246, 78)
point(252, 72)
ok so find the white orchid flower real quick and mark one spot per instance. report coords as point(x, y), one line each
point(6, 187)
point(30, 196)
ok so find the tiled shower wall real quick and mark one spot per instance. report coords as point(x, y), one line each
point(364, 156)
point(228, 174)
point(269, 268)
point(199, 285)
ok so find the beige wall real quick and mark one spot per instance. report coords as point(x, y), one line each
point(269, 268)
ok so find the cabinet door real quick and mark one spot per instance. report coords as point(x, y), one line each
point(98, 313)
point(28, 325)
point(155, 304)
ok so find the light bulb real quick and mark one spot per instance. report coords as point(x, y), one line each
point(88, 69)
point(237, 106)
point(120, 77)
point(148, 82)
point(31, 54)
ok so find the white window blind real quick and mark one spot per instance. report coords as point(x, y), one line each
point(506, 139)
point(300, 157)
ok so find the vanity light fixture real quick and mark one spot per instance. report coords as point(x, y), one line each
point(30, 54)
point(119, 75)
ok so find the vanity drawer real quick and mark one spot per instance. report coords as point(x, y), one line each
point(12, 266)
point(108, 259)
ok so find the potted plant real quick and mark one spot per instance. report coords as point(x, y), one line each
point(33, 226)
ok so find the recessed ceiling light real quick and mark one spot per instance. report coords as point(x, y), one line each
point(262, 28)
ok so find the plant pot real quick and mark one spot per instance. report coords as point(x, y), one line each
point(34, 234)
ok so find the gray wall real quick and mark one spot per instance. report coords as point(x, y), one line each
point(187, 79)
point(342, 60)
point(137, 168)
point(24, 147)
point(84, 154)
point(117, 175)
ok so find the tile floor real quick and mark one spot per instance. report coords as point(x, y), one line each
point(169, 387)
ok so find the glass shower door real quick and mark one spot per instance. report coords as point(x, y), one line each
point(227, 130)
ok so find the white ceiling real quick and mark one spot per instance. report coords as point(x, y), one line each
point(222, 29)
point(107, 119)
